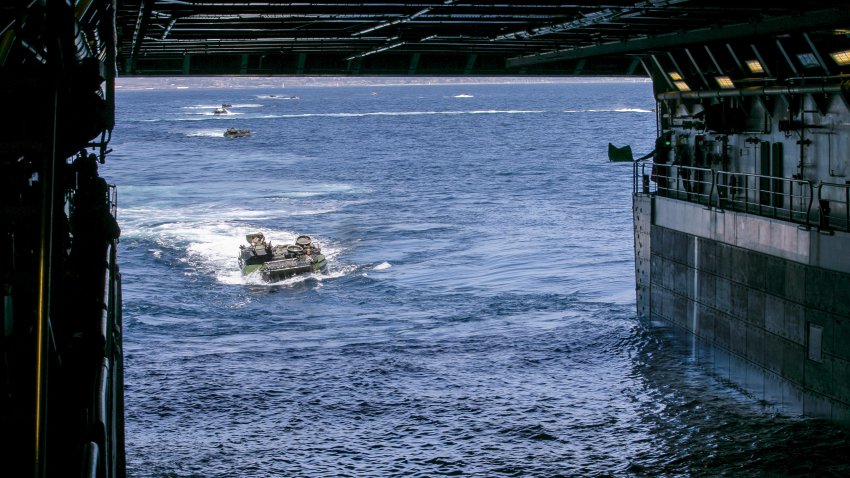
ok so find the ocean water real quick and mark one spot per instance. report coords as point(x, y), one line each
point(477, 317)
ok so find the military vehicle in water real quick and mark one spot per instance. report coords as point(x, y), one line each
point(236, 133)
point(275, 263)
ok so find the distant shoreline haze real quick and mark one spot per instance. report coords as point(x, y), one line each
point(180, 83)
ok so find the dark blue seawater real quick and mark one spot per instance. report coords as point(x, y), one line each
point(478, 314)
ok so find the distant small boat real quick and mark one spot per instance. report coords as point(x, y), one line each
point(236, 133)
point(226, 105)
point(623, 154)
point(464, 95)
point(221, 111)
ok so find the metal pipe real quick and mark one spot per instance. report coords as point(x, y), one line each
point(110, 48)
point(749, 91)
point(102, 410)
point(91, 455)
point(47, 179)
point(81, 44)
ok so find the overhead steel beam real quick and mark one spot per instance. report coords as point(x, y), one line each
point(697, 68)
point(787, 58)
point(169, 27)
point(408, 18)
point(815, 20)
point(816, 53)
point(141, 27)
point(591, 19)
point(385, 47)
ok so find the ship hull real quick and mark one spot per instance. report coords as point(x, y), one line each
point(763, 304)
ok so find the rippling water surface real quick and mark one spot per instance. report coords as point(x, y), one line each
point(477, 317)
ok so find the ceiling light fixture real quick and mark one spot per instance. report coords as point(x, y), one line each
point(755, 66)
point(841, 57)
point(808, 60)
point(724, 81)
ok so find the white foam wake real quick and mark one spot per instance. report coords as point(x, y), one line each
point(277, 97)
point(206, 133)
point(212, 107)
point(402, 113)
point(207, 246)
point(616, 110)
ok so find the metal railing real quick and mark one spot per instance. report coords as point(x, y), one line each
point(641, 174)
point(782, 198)
point(834, 206)
point(685, 182)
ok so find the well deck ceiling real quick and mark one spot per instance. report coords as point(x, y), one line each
point(436, 37)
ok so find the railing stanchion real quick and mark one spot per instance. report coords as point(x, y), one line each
point(634, 177)
point(811, 200)
point(711, 189)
